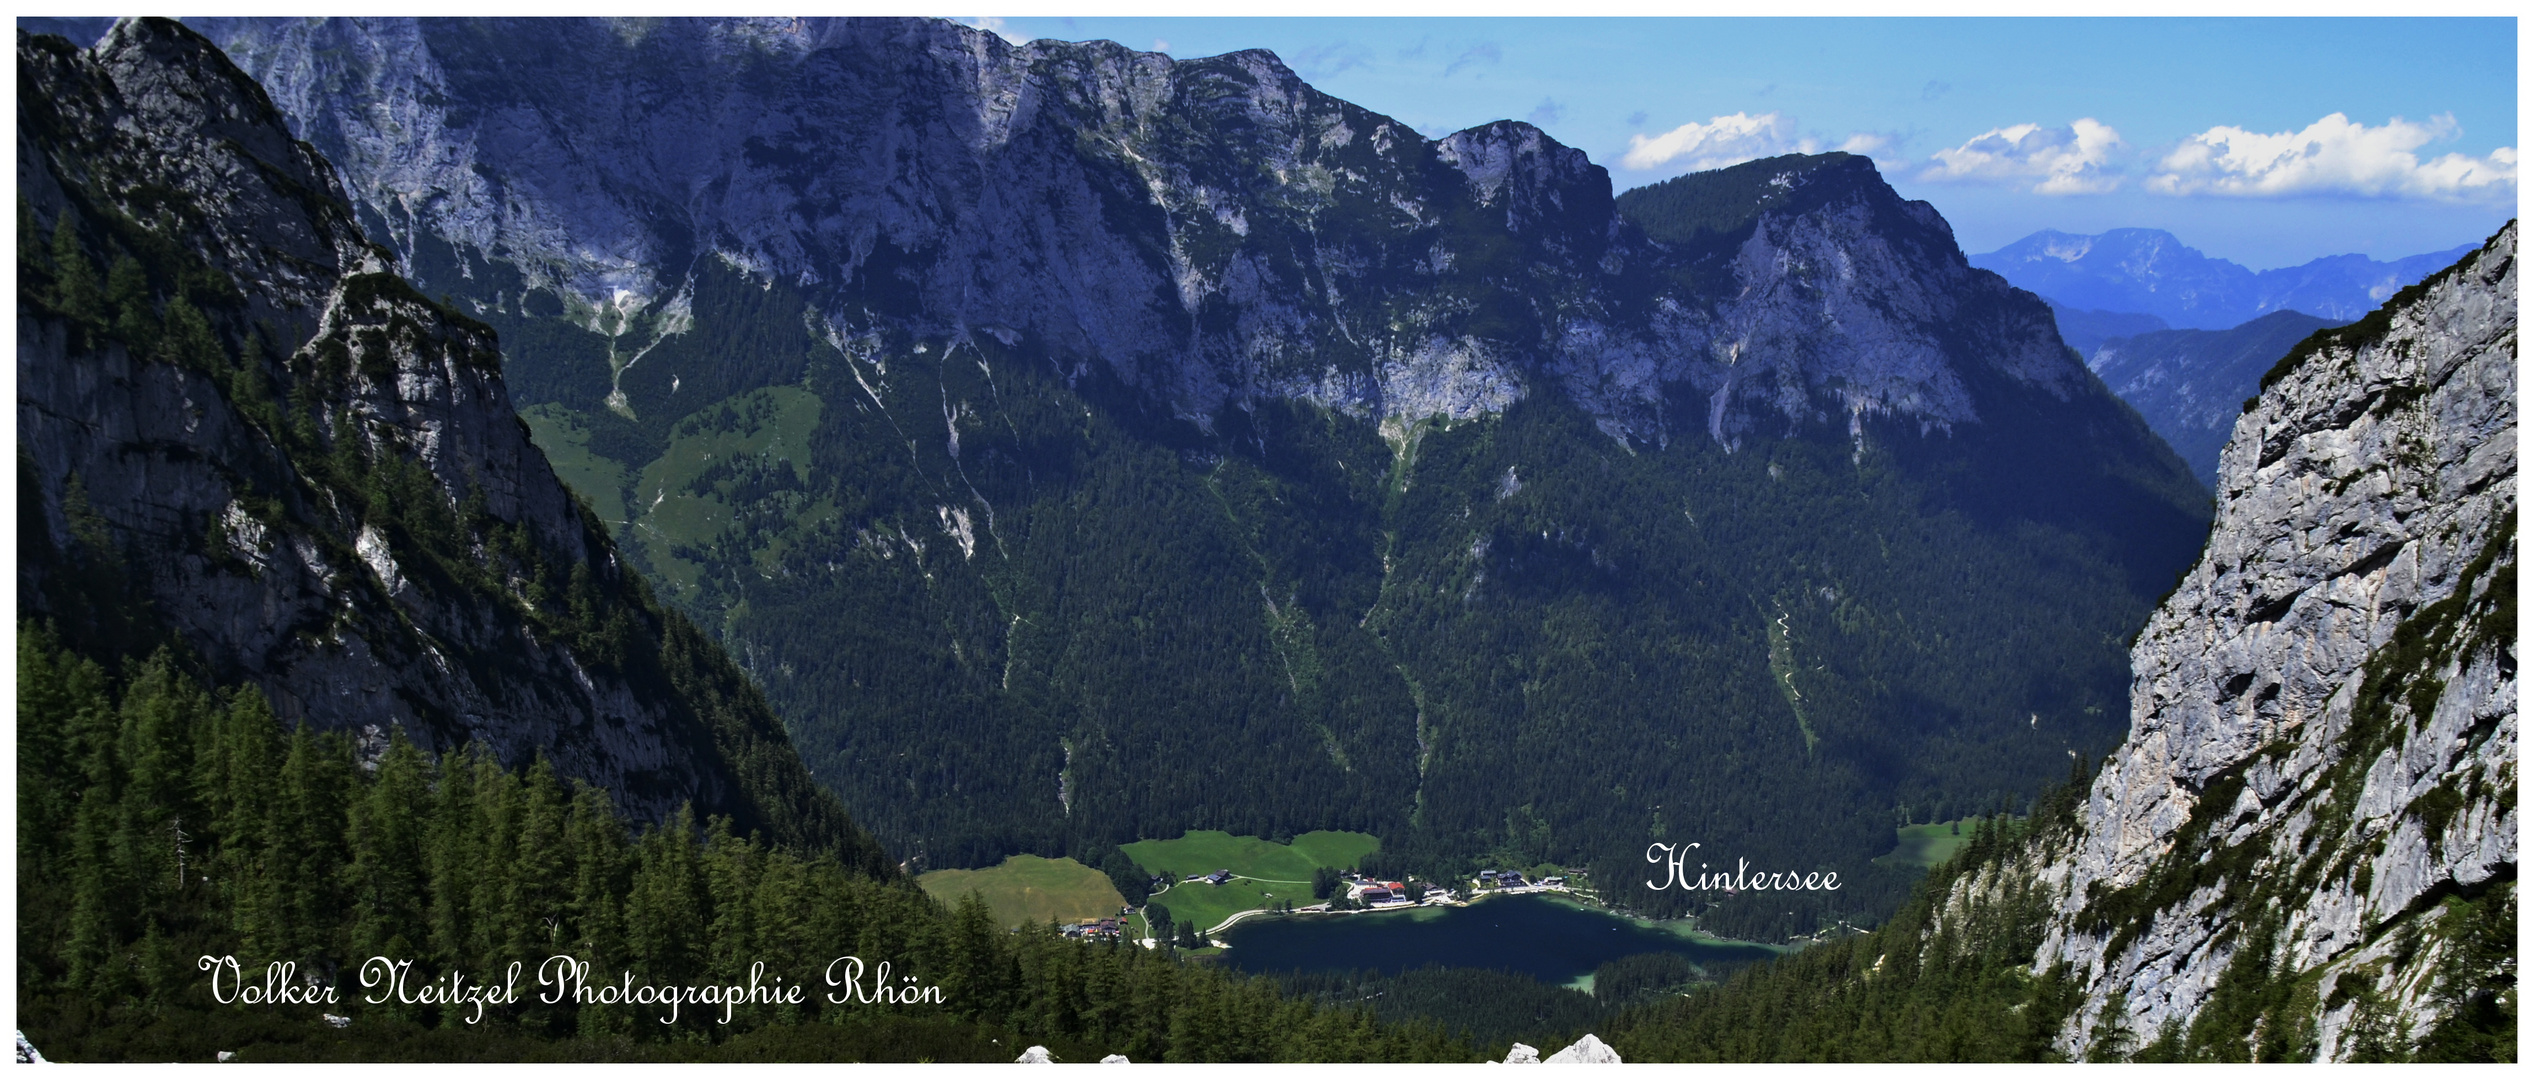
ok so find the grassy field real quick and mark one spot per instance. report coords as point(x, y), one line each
point(1027, 889)
point(1336, 849)
point(1926, 846)
point(565, 439)
point(1268, 873)
point(1208, 905)
point(672, 508)
point(1248, 856)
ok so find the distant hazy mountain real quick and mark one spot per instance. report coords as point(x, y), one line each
point(2148, 270)
point(2190, 385)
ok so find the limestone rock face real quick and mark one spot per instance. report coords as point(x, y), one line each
point(2324, 740)
point(1211, 232)
point(209, 485)
point(1589, 1050)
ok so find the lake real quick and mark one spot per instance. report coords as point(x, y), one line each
point(1555, 941)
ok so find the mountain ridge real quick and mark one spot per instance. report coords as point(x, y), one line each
point(2189, 385)
point(2305, 849)
point(2151, 271)
point(245, 423)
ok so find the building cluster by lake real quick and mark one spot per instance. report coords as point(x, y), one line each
point(1106, 929)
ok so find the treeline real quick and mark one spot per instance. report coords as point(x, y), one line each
point(160, 822)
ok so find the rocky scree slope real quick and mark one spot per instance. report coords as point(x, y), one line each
point(1084, 445)
point(243, 436)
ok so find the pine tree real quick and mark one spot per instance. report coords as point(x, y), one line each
point(389, 875)
point(539, 887)
point(452, 853)
point(667, 911)
point(76, 293)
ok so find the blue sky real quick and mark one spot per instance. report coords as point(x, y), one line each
point(2266, 141)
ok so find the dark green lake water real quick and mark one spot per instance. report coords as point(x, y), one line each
point(1532, 935)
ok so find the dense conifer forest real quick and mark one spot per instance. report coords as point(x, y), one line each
point(160, 821)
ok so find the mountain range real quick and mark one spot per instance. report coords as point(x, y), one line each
point(2149, 271)
point(244, 438)
point(1082, 445)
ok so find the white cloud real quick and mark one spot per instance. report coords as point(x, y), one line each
point(995, 24)
point(1731, 140)
point(2334, 155)
point(2071, 160)
point(1867, 143)
point(1721, 141)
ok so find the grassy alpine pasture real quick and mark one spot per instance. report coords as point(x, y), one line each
point(757, 441)
point(1208, 905)
point(1206, 851)
point(1029, 890)
point(1341, 850)
point(1266, 873)
point(1926, 846)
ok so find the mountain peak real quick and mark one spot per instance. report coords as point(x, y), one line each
point(1721, 202)
point(2152, 272)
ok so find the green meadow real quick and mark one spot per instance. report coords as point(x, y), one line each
point(1926, 846)
point(1026, 890)
point(1206, 851)
point(684, 497)
point(1266, 873)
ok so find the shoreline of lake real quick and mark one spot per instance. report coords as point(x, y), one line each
point(1555, 938)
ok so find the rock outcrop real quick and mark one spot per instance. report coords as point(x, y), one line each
point(254, 442)
point(2324, 742)
point(1589, 1050)
point(1212, 231)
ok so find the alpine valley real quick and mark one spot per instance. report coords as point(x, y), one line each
point(650, 489)
point(1083, 446)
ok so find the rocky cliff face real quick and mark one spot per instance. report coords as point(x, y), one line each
point(1214, 231)
point(242, 435)
point(2324, 743)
